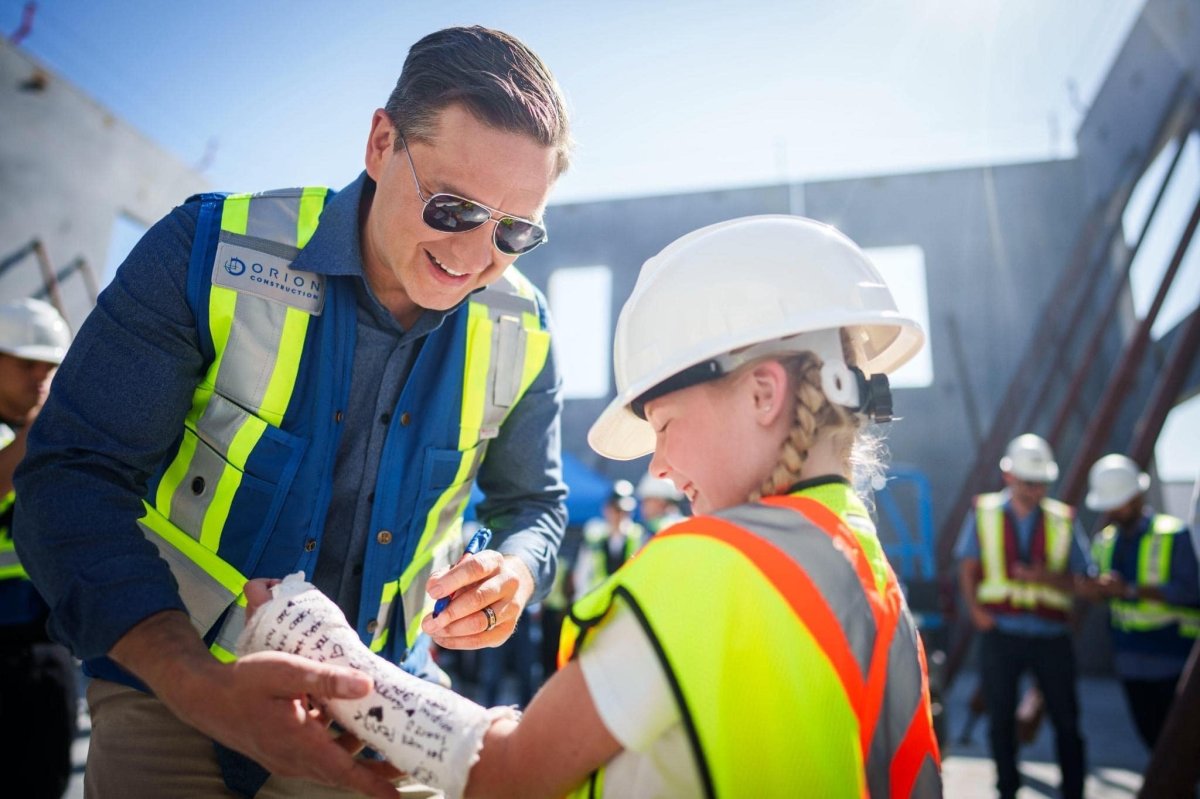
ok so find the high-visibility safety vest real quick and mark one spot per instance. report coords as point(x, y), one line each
point(786, 641)
point(246, 489)
point(1153, 569)
point(10, 565)
point(1050, 546)
point(595, 546)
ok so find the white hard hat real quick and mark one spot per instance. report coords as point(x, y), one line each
point(1030, 458)
point(651, 487)
point(33, 330)
point(755, 280)
point(1113, 481)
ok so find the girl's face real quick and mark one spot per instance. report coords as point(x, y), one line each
point(718, 441)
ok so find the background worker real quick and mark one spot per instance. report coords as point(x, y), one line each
point(1020, 554)
point(1146, 569)
point(299, 380)
point(755, 423)
point(37, 676)
point(608, 541)
point(658, 501)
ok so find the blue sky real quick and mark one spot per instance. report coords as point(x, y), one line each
point(666, 97)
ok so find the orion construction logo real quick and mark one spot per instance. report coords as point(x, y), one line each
point(235, 266)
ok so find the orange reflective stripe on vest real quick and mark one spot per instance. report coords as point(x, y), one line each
point(919, 741)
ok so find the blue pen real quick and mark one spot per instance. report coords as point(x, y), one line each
point(477, 544)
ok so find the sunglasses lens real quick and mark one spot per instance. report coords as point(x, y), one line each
point(451, 214)
point(514, 236)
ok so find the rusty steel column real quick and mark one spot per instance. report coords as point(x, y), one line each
point(1095, 436)
point(1174, 767)
point(1166, 389)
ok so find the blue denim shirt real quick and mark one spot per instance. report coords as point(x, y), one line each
point(1078, 562)
point(118, 403)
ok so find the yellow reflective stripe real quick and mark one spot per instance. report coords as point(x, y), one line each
point(217, 514)
point(287, 366)
point(388, 600)
point(235, 213)
point(222, 654)
point(229, 578)
point(174, 475)
point(475, 372)
point(1102, 548)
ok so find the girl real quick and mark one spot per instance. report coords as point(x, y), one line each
point(763, 647)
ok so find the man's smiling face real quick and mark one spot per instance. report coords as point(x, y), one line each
point(411, 266)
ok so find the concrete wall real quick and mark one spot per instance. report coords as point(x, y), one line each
point(68, 169)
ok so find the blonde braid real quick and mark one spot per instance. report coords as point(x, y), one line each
point(814, 413)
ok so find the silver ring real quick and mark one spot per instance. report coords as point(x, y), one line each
point(491, 618)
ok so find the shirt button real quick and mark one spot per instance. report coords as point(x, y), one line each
point(405, 418)
point(384, 537)
point(385, 418)
point(198, 486)
point(310, 545)
point(338, 416)
point(372, 626)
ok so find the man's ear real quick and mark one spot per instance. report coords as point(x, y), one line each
point(769, 390)
point(380, 143)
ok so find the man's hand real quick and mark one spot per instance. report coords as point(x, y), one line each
point(487, 580)
point(261, 705)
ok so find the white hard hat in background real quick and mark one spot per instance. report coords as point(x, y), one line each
point(1030, 458)
point(33, 330)
point(1113, 481)
point(651, 487)
point(739, 283)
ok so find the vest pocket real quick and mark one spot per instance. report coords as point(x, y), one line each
point(233, 486)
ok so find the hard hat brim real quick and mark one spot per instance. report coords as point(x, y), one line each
point(619, 434)
point(37, 352)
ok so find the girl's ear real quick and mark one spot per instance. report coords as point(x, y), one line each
point(769, 391)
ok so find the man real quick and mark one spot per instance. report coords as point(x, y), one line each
point(1146, 569)
point(609, 541)
point(1020, 553)
point(303, 381)
point(659, 500)
point(37, 677)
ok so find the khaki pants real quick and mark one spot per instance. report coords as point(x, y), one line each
point(140, 750)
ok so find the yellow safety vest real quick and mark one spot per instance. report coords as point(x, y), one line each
point(1153, 569)
point(794, 662)
point(997, 545)
point(218, 516)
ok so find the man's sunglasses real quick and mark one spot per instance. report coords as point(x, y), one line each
point(449, 213)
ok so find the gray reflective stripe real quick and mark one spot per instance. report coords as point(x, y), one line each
point(253, 347)
point(187, 506)
point(8, 558)
point(280, 250)
point(829, 569)
point(221, 421)
point(273, 215)
point(929, 782)
point(205, 598)
point(902, 696)
point(231, 628)
point(508, 360)
point(503, 297)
